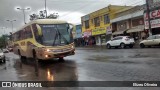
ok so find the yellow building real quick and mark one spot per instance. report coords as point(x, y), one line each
point(96, 26)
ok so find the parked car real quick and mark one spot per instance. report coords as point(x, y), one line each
point(153, 40)
point(5, 51)
point(120, 41)
point(2, 56)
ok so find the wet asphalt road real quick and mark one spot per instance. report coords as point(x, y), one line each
point(88, 64)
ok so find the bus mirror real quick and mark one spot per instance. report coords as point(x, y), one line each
point(71, 26)
point(39, 30)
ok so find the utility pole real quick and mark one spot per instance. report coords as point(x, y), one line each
point(46, 8)
point(149, 19)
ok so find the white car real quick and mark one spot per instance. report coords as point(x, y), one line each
point(2, 56)
point(5, 51)
point(153, 40)
point(120, 41)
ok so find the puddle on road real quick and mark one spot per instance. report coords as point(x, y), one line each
point(112, 59)
point(47, 70)
point(107, 58)
point(139, 56)
point(103, 58)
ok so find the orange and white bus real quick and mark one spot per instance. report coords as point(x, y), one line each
point(44, 39)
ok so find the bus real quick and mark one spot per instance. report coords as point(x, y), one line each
point(44, 39)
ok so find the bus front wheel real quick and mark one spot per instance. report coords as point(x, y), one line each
point(61, 58)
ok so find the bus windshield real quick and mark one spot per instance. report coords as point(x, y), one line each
point(53, 35)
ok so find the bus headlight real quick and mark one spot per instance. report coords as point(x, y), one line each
point(72, 47)
point(48, 50)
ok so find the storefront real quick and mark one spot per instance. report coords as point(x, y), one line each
point(99, 34)
point(122, 27)
point(155, 20)
point(137, 32)
point(87, 35)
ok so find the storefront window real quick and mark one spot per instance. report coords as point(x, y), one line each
point(96, 21)
point(103, 38)
point(86, 24)
point(97, 40)
point(106, 19)
point(122, 25)
point(137, 22)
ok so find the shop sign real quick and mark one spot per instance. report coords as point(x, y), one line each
point(108, 30)
point(98, 31)
point(87, 33)
point(154, 23)
point(153, 14)
point(155, 19)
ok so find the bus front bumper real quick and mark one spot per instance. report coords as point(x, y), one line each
point(58, 55)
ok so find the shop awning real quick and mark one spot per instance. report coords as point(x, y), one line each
point(136, 29)
point(118, 32)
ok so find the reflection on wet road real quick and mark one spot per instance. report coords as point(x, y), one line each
point(88, 64)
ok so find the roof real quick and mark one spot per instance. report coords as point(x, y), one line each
point(44, 21)
point(128, 16)
point(130, 9)
point(124, 9)
point(108, 8)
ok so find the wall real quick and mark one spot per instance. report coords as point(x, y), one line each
point(110, 10)
point(137, 21)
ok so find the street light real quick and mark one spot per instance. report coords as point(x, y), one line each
point(23, 10)
point(11, 21)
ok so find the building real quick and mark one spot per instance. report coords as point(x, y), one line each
point(129, 22)
point(78, 36)
point(154, 17)
point(96, 26)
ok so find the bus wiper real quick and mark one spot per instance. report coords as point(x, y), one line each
point(62, 35)
point(55, 38)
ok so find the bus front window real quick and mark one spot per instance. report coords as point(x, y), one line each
point(53, 35)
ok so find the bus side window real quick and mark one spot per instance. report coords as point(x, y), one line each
point(28, 32)
point(18, 36)
point(37, 37)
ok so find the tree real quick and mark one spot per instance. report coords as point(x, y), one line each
point(3, 41)
point(42, 16)
point(34, 17)
point(53, 16)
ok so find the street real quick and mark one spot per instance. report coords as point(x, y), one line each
point(88, 64)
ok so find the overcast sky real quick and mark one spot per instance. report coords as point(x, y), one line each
point(70, 10)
